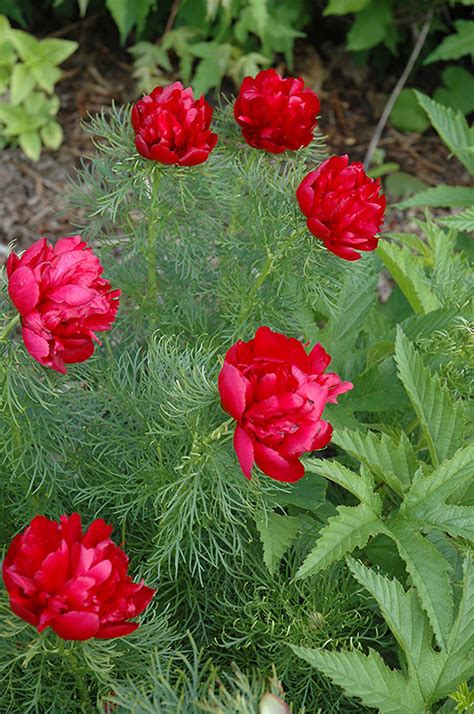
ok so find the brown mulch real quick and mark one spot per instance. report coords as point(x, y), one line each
point(32, 202)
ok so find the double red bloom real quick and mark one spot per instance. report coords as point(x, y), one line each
point(74, 582)
point(277, 393)
point(343, 206)
point(276, 113)
point(62, 300)
point(172, 127)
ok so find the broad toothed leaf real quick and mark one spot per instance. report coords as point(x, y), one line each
point(441, 419)
point(360, 485)
point(351, 528)
point(277, 534)
point(366, 677)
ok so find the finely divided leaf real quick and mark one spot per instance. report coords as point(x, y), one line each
point(360, 485)
point(350, 529)
point(441, 419)
point(393, 462)
point(277, 534)
point(429, 572)
point(366, 677)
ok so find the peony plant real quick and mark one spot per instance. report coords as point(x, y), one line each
point(206, 427)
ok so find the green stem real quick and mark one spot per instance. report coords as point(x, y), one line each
point(9, 327)
point(152, 258)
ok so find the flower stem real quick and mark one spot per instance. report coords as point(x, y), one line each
point(9, 327)
point(152, 258)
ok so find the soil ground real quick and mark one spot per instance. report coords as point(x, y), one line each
point(32, 195)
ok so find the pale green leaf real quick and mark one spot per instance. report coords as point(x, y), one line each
point(366, 677)
point(343, 7)
point(54, 51)
point(451, 196)
point(463, 221)
point(277, 533)
point(441, 419)
point(350, 529)
point(21, 83)
point(259, 14)
point(46, 76)
point(26, 45)
point(30, 143)
point(83, 6)
point(459, 44)
point(212, 67)
point(361, 486)
point(52, 135)
point(455, 520)
point(394, 462)
point(429, 573)
point(407, 270)
point(401, 610)
point(452, 128)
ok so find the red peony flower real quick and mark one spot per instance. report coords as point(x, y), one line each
point(277, 393)
point(62, 299)
point(172, 127)
point(74, 582)
point(276, 114)
point(343, 206)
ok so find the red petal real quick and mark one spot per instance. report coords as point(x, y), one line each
point(277, 466)
point(244, 449)
point(23, 290)
point(76, 625)
point(232, 388)
point(118, 629)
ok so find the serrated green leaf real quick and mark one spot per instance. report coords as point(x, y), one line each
point(440, 484)
point(212, 68)
point(429, 572)
point(401, 610)
point(451, 196)
point(309, 493)
point(441, 419)
point(418, 326)
point(377, 389)
point(350, 529)
point(408, 272)
point(459, 44)
point(343, 7)
point(259, 14)
point(357, 296)
point(463, 221)
point(367, 677)
point(452, 128)
point(54, 51)
point(52, 135)
point(461, 637)
point(277, 534)
point(361, 486)
point(30, 143)
point(21, 83)
point(455, 520)
point(393, 462)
